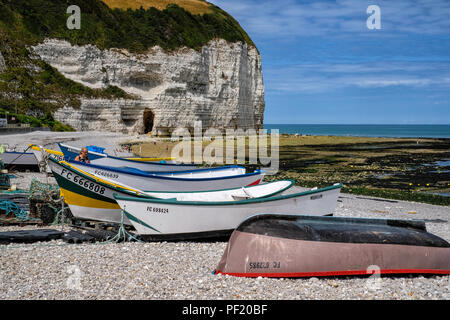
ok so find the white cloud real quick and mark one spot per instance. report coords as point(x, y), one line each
point(382, 82)
point(316, 78)
point(410, 62)
point(289, 18)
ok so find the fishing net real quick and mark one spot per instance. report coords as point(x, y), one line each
point(9, 207)
point(46, 203)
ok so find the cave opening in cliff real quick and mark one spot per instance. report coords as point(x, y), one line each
point(149, 117)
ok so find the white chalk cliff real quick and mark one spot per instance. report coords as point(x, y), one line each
point(220, 85)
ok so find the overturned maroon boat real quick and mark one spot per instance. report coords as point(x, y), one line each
point(274, 245)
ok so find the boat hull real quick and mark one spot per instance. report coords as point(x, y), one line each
point(11, 158)
point(196, 180)
point(171, 218)
point(251, 253)
point(112, 215)
point(103, 159)
point(87, 198)
point(91, 198)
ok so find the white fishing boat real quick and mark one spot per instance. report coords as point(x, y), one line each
point(172, 218)
point(91, 198)
point(191, 180)
point(104, 159)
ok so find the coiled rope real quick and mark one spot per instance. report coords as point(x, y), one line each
point(12, 207)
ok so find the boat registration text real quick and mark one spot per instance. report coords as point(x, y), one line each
point(106, 174)
point(83, 182)
point(157, 210)
point(264, 265)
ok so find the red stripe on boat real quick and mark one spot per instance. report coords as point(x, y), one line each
point(254, 183)
point(329, 273)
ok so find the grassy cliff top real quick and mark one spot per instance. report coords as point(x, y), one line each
point(30, 85)
point(135, 25)
point(193, 6)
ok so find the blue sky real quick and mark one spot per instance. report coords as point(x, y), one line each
point(322, 64)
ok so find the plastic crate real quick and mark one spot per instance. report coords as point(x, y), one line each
point(95, 149)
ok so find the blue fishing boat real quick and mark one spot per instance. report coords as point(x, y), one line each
point(105, 159)
point(200, 179)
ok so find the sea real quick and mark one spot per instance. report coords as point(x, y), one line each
point(365, 130)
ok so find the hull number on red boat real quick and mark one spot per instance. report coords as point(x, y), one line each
point(157, 210)
point(264, 265)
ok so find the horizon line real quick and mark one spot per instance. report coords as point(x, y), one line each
point(365, 124)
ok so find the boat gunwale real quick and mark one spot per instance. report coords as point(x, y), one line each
point(106, 155)
point(138, 193)
point(59, 153)
point(51, 151)
point(158, 174)
point(418, 224)
point(103, 155)
point(332, 273)
point(220, 203)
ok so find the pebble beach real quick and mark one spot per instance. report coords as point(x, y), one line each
point(183, 270)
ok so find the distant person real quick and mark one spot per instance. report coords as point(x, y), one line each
point(83, 156)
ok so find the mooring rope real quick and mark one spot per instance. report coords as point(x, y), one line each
point(11, 207)
point(60, 217)
point(13, 166)
point(122, 233)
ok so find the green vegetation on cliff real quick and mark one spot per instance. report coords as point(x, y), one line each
point(135, 30)
point(30, 85)
point(44, 120)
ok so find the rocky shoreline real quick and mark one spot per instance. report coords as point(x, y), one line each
point(183, 270)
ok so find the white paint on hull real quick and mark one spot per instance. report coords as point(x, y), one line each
point(175, 217)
